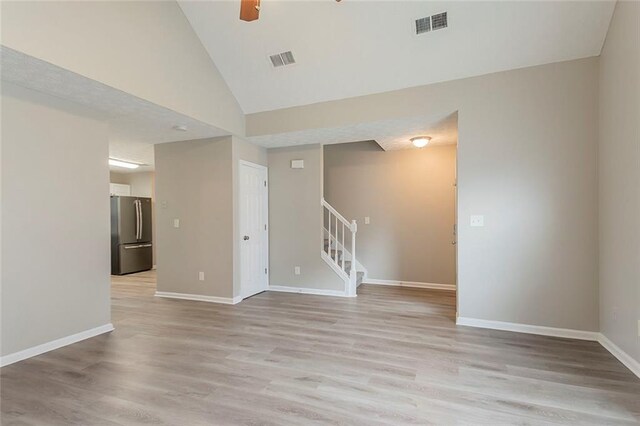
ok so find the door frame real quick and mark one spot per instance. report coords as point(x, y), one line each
point(265, 201)
point(456, 221)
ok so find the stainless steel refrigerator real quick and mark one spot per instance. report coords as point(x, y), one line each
point(131, 244)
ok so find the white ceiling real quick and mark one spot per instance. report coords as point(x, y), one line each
point(359, 47)
point(390, 134)
point(134, 124)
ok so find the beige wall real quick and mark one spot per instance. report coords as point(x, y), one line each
point(142, 184)
point(146, 48)
point(527, 162)
point(121, 178)
point(409, 196)
point(619, 173)
point(194, 184)
point(295, 220)
point(47, 209)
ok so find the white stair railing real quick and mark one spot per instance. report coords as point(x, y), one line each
point(335, 230)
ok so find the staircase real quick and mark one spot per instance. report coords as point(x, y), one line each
point(338, 234)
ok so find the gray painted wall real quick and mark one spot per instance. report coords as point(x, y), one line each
point(619, 168)
point(295, 219)
point(194, 184)
point(409, 196)
point(527, 162)
point(47, 209)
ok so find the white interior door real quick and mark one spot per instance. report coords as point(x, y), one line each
point(254, 242)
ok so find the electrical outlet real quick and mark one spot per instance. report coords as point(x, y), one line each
point(176, 223)
point(476, 220)
point(614, 314)
point(201, 276)
point(296, 270)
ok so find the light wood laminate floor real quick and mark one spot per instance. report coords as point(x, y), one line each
point(390, 356)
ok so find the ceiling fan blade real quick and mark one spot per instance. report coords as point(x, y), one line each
point(249, 10)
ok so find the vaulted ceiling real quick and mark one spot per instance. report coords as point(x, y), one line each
point(135, 124)
point(358, 47)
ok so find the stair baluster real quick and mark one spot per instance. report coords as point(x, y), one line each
point(334, 251)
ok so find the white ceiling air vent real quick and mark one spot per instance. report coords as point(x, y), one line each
point(431, 23)
point(282, 59)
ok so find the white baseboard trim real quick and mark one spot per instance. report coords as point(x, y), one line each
point(54, 344)
point(199, 297)
point(433, 286)
point(302, 290)
point(622, 356)
point(530, 329)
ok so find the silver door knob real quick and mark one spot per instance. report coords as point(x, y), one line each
point(246, 237)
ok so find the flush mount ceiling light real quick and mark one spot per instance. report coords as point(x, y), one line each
point(180, 127)
point(125, 164)
point(420, 141)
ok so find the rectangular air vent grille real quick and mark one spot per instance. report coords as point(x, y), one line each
point(431, 23)
point(423, 25)
point(282, 59)
point(276, 60)
point(439, 21)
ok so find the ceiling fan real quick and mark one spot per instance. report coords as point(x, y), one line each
point(250, 10)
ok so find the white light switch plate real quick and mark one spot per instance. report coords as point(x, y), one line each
point(367, 220)
point(176, 223)
point(477, 220)
point(296, 270)
point(201, 276)
point(297, 164)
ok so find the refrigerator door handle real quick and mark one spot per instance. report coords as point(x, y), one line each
point(137, 219)
point(140, 221)
point(141, 224)
point(135, 203)
point(137, 246)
